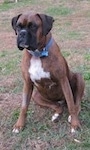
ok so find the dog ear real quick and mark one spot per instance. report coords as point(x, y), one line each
point(47, 23)
point(14, 22)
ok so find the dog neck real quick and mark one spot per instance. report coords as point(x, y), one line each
point(44, 52)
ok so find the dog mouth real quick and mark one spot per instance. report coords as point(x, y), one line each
point(22, 46)
point(26, 46)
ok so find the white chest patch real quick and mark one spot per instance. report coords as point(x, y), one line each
point(36, 70)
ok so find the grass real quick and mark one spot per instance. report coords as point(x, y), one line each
point(59, 10)
point(87, 57)
point(9, 62)
point(71, 35)
point(7, 5)
point(66, 53)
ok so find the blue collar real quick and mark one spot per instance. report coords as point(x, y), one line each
point(44, 52)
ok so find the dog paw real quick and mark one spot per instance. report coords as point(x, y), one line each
point(15, 130)
point(75, 124)
point(55, 117)
point(73, 130)
point(18, 127)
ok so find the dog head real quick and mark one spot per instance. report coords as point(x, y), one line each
point(30, 29)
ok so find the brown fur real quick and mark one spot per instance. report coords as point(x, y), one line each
point(63, 84)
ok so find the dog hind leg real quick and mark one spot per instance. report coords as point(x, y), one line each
point(78, 94)
point(41, 101)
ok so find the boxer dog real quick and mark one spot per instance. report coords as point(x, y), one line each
point(44, 67)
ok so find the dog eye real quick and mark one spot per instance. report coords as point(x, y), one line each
point(32, 27)
point(19, 26)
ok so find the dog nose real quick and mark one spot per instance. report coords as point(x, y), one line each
point(22, 40)
point(23, 33)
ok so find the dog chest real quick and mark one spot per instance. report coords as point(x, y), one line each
point(36, 70)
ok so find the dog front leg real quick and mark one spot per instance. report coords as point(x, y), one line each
point(70, 103)
point(27, 92)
